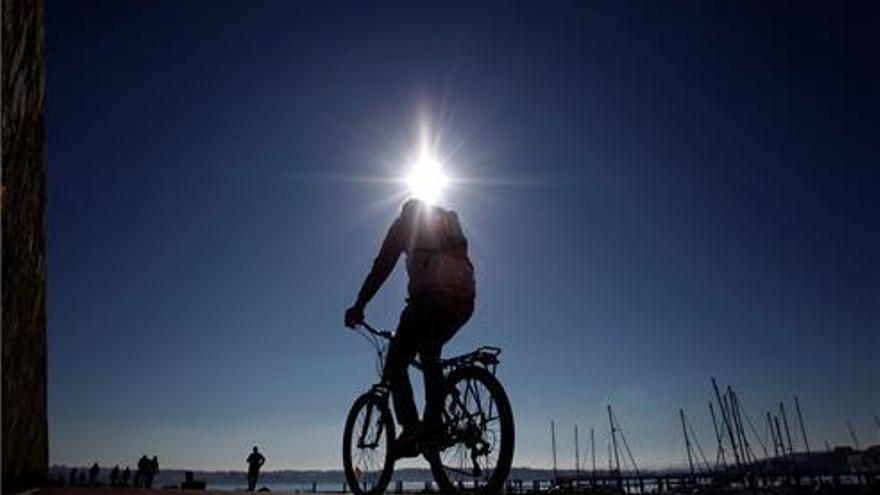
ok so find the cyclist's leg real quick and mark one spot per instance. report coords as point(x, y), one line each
point(433, 376)
point(450, 314)
point(401, 352)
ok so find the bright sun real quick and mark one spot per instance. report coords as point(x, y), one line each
point(426, 179)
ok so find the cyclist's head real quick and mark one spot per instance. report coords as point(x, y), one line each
point(412, 206)
point(412, 203)
point(255, 448)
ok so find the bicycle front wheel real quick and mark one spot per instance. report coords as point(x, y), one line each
point(366, 445)
point(478, 426)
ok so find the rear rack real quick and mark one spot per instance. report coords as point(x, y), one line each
point(486, 356)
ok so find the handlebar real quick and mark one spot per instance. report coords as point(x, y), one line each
point(385, 334)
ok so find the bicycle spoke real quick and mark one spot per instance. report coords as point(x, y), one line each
point(471, 413)
point(368, 448)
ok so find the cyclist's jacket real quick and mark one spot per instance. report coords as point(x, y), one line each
point(436, 254)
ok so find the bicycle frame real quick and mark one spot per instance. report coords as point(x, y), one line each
point(468, 379)
point(485, 356)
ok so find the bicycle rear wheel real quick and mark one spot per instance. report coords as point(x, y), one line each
point(478, 426)
point(366, 445)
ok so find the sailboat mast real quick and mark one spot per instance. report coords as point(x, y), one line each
point(785, 423)
point(577, 456)
point(687, 442)
point(726, 421)
point(797, 406)
point(719, 458)
point(553, 446)
point(593, 452)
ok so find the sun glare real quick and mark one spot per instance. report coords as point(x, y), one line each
point(426, 179)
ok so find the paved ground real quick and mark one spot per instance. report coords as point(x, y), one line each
point(124, 491)
point(87, 490)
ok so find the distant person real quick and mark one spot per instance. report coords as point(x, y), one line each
point(441, 300)
point(126, 475)
point(141, 475)
point(152, 469)
point(255, 461)
point(93, 473)
point(73, 474)
point(82, 477)
point(114, 476)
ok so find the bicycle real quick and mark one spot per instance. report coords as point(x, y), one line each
point(473, 452)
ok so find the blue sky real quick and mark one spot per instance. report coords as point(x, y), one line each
point(655, 193)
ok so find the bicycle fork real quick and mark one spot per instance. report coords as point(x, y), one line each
point(365, 429)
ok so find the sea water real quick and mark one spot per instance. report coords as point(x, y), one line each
point(307, 487)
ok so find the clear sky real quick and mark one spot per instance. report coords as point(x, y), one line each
point(655, 193)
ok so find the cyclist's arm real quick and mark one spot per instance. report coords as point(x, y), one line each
point(383, 264)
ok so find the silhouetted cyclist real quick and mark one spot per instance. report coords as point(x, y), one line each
point(255, 461)
point(441, 299)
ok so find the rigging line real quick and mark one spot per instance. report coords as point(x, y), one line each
point(722, 405)
point(720, 458)
point(697, 442)
point(739, 412)
point(687, 442)
point(769, 435)
point(625, 445)
point(745, 414)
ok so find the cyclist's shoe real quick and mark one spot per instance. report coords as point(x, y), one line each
point(408, 443)
point(416, 439)
point(406, 450)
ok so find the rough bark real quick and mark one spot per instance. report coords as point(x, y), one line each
point(23, 204)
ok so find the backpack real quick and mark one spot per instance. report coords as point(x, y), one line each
point(437, 259)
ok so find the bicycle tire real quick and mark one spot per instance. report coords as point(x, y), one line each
point(494, 482)
point(367, 482)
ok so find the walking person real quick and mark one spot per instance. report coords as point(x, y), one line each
point(114, 476)
point(93, 474)
point(126, 475)
point(152, 469)
point(141, 475)
point(255, 462)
